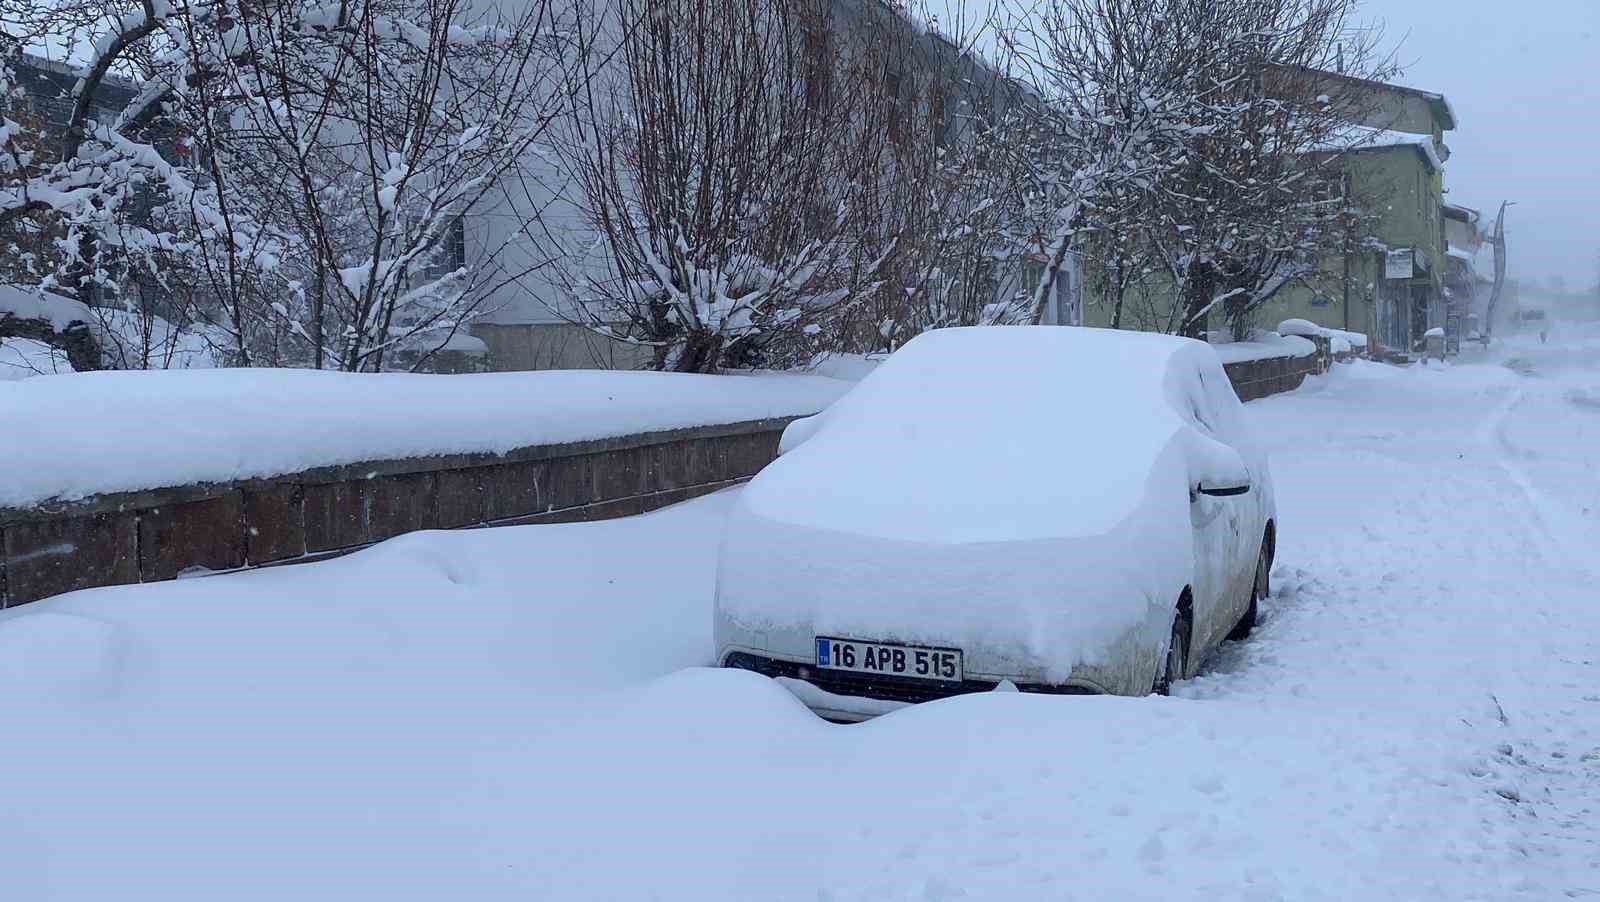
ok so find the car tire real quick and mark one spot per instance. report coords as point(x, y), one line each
point(1176, 662)
point(1241, 630)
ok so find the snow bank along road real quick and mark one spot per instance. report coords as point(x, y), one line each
point(520, 714)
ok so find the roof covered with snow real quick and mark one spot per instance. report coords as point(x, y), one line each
point(1357, 138)
point(57, 310)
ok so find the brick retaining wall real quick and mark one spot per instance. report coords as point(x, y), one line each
point(1254, 379)
point(159, 534)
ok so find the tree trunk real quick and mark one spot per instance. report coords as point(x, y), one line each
point(1119, 291)
point(701, 353)
point(1197, 295)
point(319, 296)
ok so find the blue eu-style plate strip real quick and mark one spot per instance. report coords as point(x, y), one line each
point(822, 652)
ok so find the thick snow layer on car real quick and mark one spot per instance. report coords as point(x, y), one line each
point(101, 432)
point(973, 482)
point(962, 423)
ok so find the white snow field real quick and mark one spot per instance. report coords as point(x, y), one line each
point(518, 713)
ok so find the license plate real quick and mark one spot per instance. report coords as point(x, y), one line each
point(887, 659)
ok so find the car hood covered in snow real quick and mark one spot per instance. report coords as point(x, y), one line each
point(1017, 490)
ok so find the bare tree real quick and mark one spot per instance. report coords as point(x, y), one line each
point(723, 161)
point(949, 202)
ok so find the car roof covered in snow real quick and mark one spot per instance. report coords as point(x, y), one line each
point(994, 434)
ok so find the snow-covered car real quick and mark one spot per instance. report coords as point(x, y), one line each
point(1064, 510)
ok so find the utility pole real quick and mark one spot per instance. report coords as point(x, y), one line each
point(1348, 225)
point(1499, 270)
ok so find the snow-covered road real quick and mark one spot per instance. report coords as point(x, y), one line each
point(519, 714)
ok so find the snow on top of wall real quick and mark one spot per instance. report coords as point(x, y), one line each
point(115, 431)
point(1263, 346)
point(1340, 341)
point(59, 311)
point(853, 367)
point(1303, 327)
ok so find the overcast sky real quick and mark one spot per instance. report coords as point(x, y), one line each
point(1524, 78)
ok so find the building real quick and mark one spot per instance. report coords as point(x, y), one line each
point(1388, 283)
point(1469, 273)
point(1392, 285)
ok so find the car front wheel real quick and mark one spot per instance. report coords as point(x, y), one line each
point(1177, 660)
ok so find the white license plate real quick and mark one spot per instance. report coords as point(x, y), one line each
point(886, 659)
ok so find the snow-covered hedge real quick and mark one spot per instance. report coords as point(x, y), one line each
point(116, 431)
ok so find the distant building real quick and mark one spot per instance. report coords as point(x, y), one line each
point(1394, 168)
point(1469, 272)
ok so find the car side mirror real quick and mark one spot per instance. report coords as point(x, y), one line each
point(797, 432)
point(1222, 491)
point(1216, 470)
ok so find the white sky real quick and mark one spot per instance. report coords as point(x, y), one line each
point(1524, 78)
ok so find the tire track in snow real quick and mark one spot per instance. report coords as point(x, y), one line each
point(1492, 432)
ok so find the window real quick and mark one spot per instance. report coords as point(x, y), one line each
point(1032, 275)
point(936, 114)
point(891, 95)
point(451, 253)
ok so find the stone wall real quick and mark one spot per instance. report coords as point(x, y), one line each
point(164, 533)
point(1254, 379)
